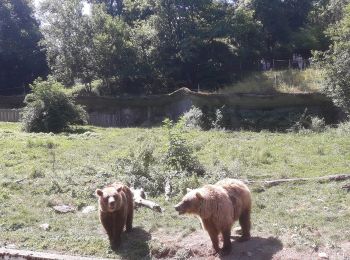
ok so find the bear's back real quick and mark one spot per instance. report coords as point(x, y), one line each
point(239, 194)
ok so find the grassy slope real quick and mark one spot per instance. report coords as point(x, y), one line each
point(285, 81)
point(68, 168)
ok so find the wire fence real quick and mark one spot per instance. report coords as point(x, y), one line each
point(275, 64)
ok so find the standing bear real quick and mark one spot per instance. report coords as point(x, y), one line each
point(218, 206)
point(116, 209)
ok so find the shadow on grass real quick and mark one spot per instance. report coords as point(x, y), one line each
point(257, 248)
point(135, 244)
point(78, 130)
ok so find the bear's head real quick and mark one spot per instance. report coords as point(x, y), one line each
point(110, 198)
point(190, 203)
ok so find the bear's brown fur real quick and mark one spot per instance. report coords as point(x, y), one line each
point(116, 209)
point(218, 207)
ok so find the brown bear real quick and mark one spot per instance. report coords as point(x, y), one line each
point(116, 208)
point(218, 206)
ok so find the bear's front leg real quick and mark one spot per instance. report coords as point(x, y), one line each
point(213, 234)
point(116, 234)
point(227, 242)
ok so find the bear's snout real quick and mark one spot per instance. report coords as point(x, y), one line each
point(111, 203)
point(180, 208)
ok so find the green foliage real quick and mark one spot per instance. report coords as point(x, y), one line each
point(193, 118)
point(72, 59)
point(336, 62)
point(178, 167)
point(156, 46)
point(271, 82)
point(179, 155)
point(50, 109)
point(21, 59)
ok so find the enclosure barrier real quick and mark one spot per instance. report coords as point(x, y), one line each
point(9, 115)
point(152, 110)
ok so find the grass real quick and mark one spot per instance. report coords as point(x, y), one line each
point(41, 170)
point(285, 81)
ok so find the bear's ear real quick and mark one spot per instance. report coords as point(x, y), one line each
point(119, 189)
point(199, 196)
point(99, 193)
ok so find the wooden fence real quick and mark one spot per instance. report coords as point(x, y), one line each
point(9, 115)
point(98, 119)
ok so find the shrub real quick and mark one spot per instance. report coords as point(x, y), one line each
point(309, 123)
point(49, 109)
point(193, 118)
point(344, 128)
point(179, 155)
point(205, 119)
point(177, 169)
point(317, 124)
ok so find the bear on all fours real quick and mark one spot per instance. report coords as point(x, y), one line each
point(218, 206)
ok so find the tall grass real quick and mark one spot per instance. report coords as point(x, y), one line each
point(285, 81)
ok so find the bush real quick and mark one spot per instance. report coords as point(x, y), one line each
point(344, 128)
point(193, 118)
point(205, 119)
point(49, 109)
point(179, 155)
point(317, 124)
point(178, 168)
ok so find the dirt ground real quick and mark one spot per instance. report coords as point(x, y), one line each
point(197, 245)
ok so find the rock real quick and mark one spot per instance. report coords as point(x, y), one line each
point(323, 255)
point(237, 230)
point(11, 246)
point(88, 209)
point(45, 226)
point(63, 208)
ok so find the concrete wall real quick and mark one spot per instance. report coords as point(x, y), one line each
point(151, 110)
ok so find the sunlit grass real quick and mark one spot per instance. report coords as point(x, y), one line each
point(286, 81)
point(41, 170)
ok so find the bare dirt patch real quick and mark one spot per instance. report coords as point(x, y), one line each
point(197, 245)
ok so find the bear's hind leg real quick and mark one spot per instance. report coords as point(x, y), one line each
point(244, 221)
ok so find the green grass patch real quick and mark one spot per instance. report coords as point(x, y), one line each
point(41, 170)
point(285, 81)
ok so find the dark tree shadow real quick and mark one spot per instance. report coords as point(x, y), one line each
point(135, 244)
point(257, 248)
point(78, 130)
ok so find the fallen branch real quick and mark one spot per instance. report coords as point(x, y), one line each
point(340, 177)
point(140, 200)
point(21, 180)
point(346, 187)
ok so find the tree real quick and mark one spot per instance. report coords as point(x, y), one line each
point(113, 7)
point(191, 48)
point(336, 62)
point(114, 55)
point(287, 27)
point(67, 40)
point(21, 59)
